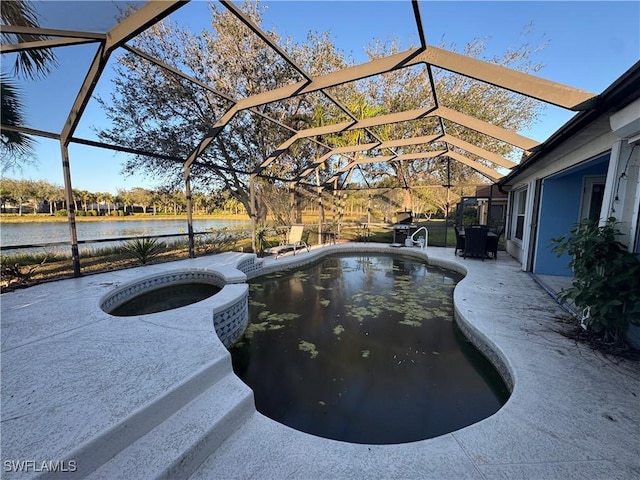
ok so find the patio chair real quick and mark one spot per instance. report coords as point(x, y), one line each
point(459, 241)
point(492, 242)
point(475, 239)
point(293, 242)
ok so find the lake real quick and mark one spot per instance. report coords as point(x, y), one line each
point(36, 233)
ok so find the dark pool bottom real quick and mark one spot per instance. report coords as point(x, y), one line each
point(165, 298)
point(364, 349)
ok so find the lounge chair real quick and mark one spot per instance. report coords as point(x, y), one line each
point(293, 242)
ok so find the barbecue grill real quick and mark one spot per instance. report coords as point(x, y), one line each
point(404, 227)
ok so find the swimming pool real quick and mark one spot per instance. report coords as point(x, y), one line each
point(363, 348)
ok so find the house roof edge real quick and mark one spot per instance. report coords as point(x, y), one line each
point(624, 90)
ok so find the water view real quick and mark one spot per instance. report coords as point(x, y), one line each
point(364, 349)
point(35, 233)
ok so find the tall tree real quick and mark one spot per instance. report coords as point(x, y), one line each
point(16, 148)
point(151, 108)
point(411, 88)
point(141, 197)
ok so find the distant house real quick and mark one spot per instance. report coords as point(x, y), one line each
point(589, 168)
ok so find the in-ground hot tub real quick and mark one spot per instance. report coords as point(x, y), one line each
point(180, 289)
point(165, 298)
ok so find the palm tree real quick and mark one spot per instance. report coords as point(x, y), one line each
point(16, 147)
point(107, 199)
point(77, 199)
point(86, 197)
point(55, 193)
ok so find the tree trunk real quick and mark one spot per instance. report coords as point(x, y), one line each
point(261, 207)
point(407, 203)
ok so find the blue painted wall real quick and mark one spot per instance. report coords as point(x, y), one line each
point(559, 210)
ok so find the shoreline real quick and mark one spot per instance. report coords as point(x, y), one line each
point(46, 218)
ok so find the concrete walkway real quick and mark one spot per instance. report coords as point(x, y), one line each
point(154, 396)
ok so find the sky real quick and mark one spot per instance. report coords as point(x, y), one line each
point(588, 46)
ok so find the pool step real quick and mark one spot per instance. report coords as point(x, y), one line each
point(176, 447)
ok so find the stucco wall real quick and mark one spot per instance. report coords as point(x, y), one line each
point(592, 142)
point(559, 210)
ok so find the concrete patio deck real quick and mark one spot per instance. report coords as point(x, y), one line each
point(154, 396)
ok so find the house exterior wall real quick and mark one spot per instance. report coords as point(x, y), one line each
point(516, 247)
point(624, 179)
point(559, 210)
point(562, 172)
point(623, 190)
point(593, 142)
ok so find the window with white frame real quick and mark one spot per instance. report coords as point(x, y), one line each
point(519, 203)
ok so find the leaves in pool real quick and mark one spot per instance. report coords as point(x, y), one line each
point(304, 346)
point(277, 317)
point(255, 327)
point(378, 332)
point(411, 323)
point(405, 298)
point(282, 317)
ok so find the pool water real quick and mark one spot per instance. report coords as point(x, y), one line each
point(364, 349)
point(165, 298)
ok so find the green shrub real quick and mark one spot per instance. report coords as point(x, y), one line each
point(144, 249)
point(606, 283)
point(261, 239)
point(61, 213)
point(92, 213)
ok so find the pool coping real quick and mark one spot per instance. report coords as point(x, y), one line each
point(557, 423)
